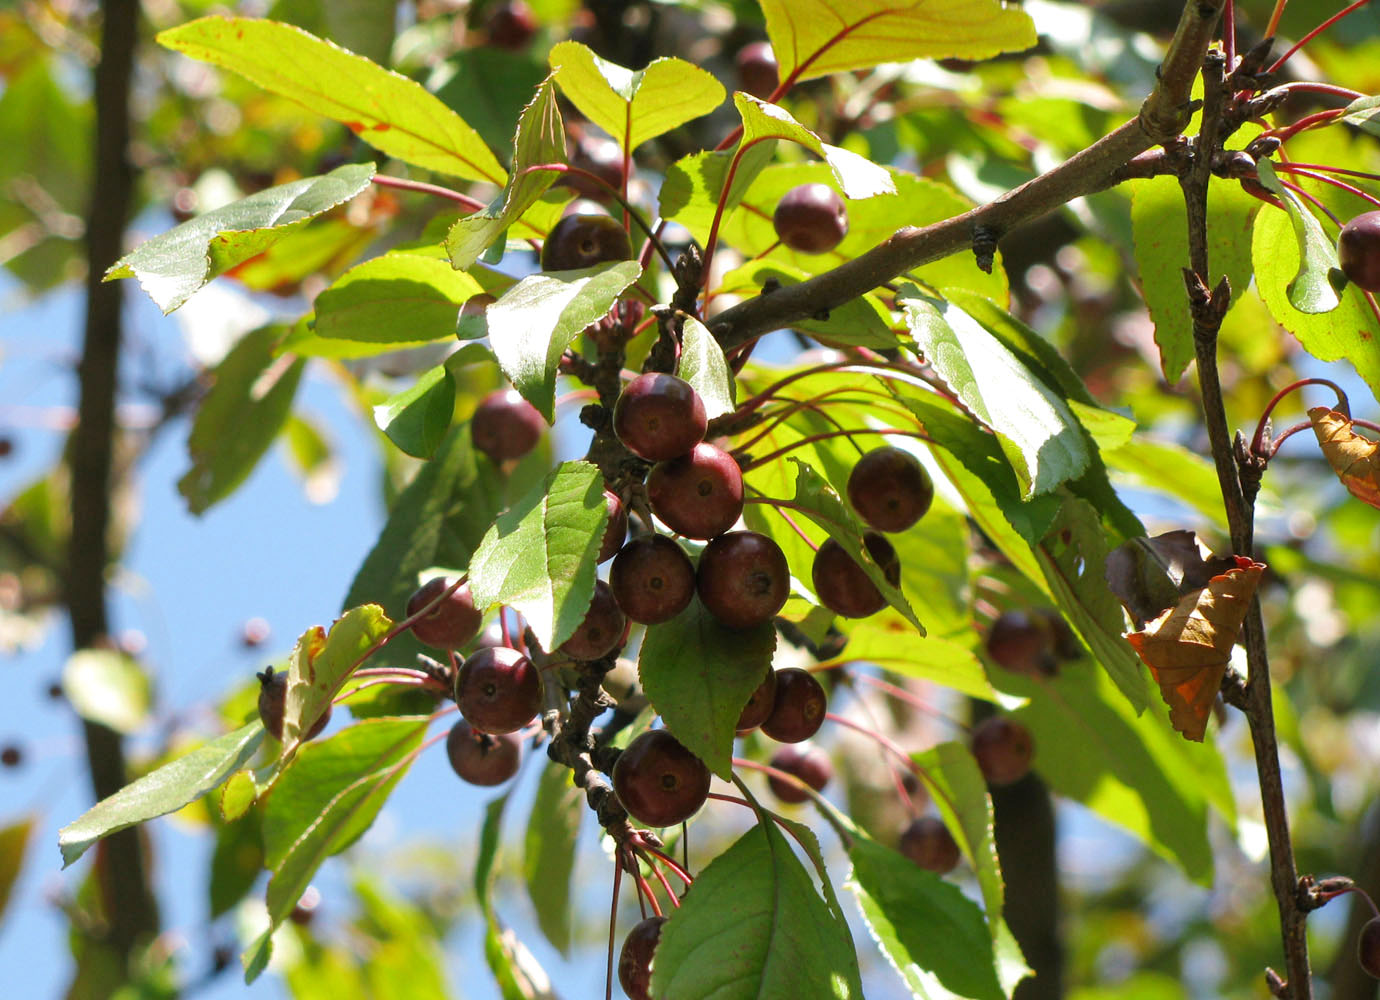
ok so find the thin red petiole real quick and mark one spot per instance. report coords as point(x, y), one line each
point(1298, 171)
point(1313, 201)
point(1257, 441)
point(1312, 34)
point(613, 925)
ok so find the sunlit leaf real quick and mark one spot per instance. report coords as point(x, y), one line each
point(858, 176)
point(108, 687)
point(319, 664)
point(1310, 290)
point(416, 419)
point(703, 365)
point(397, 299)
point(893, 645)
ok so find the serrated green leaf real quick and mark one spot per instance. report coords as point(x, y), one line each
point(894, 646)
point(699, 674)
point(539, 556)
point(633, 106)
point(172, 266)
point(14, 839)
point(816, 38)
point(700, 181)
point(108, 687)
point(252, 393)
point(1310, 289)
point(162, 791)
point(754, 925)
point(703, 365)
point(537, 319)
point(393, 114)
point(416, 419)
point(549, 850)
point(857, 176)
point(540, 139)
point(397, 299)
point(319, 664)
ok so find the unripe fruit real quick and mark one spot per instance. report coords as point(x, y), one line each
point(481, 758)
point(810, 764)
point(635, 960)
point(658, 781)
point(659, 416)
point(758, 71)
point(498, 690)
point(928, 842)
point(652, 578)
point(1358, 250)
point(580, 241)
point(890, 489)
point(1022, 643)
point(453, 622)
point(1368, 947)
point(759, 704)
point(698, 494)
point(1003, 748)
point(602, 628)
point(843, 586)
point(616, 530)
point(506, 426)
point(273, 704)
point(811, 218)
point(798, 708)
point(743, 579)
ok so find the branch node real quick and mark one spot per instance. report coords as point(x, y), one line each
point(1277, 987)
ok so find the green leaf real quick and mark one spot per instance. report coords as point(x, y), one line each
point(858, 176)
point(236, 863)
point(537, 319)
point(549, 849)
point(817, 38)
point(172, 266)
point(1310, 290)
point(894, 646)
point(252, 393)
point(539, 556)
point(517, 973)
point(1159, 225)
point(162, 791)
point(703, 365)
point(416, 419)
point(238, 793)
point(1041, 439)
point(397, 299)
point(753, 925)
point(699, 675)
point(108, 687)
point(540, 139)
point(393, 114)
point(320, 663)
point(860, 322)
point(14, 838)
point(1364, 113)
point(959, 791)
point(701, 180)
point(633, 106)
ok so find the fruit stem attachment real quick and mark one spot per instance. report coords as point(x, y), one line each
point(1258, 439)
point(617, 195)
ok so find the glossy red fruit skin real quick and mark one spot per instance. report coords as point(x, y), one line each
point(511, 25)
point(1022, 643)
point(759, 704)
point(505, 426)
point(743, 579)
point(498, 690)
point(1358, 251)
point(758, 71)
point(928, 842)
point(652, 578)
point(843, 586)
point(798, 708)
point(698, 494)
point(635, 960)
point(481, 758)
point(811, 219)
point(1368, 947)
point(580, 241)
point(658, 781)
point(1003, 748)
point(602, 630)
point(453, 622)
point(616, 530)
point(810, 764)
point(658, 417)
point(890, 489)
point(273, 705)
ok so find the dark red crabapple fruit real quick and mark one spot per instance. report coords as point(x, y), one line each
point(810, 764)
point(12, 755)
point(1003, 748)
point(759, 704)
point(659, 416)
point(743, 579)
point(652, 578)
point(1368, 947)
point(1358, 251)
point(843, 586)
point(698, 494)
point(635, 960)
point(498, 690)
point(453, 622)
point(506, 426)
point(890, 489)
point(580, 241)
point(273, 704)
point(758, 72)
point(928, 842)
point(616, 530)
point(658, 781)
point(797, 710)
point(602, 628)
point(481, 758)
point(811, 218)
point(511, 25)
point(1022, 643)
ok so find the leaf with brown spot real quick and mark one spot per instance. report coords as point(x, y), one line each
point(1354, 458)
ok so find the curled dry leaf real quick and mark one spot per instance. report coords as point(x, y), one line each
point(1354, 458)
point(1187, 647)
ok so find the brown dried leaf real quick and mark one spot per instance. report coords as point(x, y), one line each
point(1354, 458)
point(1150, 575)
point(1187, 647)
